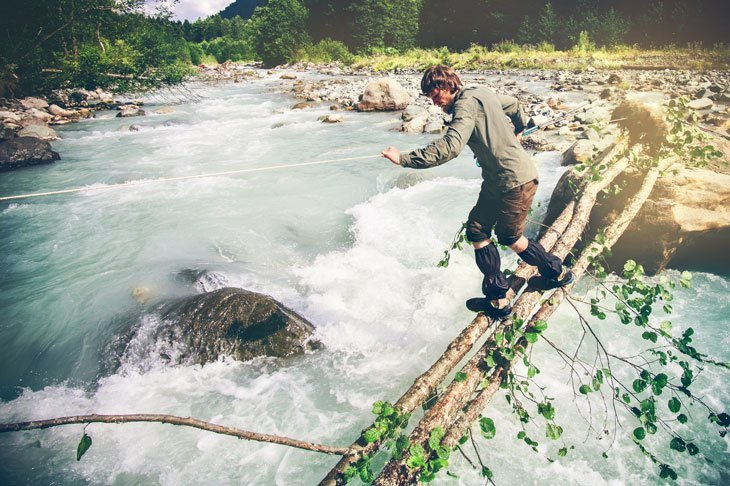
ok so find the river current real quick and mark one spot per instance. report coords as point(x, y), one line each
point(350, 245)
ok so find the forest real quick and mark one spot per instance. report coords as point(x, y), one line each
point(100, 43)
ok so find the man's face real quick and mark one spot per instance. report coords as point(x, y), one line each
point(443, 98)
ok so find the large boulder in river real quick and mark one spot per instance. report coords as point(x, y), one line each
point(384, 95)
point(25, 151)
point(239, 323)
point(685, 223)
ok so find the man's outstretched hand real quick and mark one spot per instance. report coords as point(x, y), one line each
point(392, 154)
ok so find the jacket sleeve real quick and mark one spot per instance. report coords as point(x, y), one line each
point(451, 144)
point(511, 107)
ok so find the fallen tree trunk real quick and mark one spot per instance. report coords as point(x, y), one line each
point(612, 234)
point(446, 409)
point(174, 420)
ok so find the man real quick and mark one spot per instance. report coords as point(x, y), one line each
point(510, 180)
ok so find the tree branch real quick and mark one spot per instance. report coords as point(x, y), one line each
point(174, 420)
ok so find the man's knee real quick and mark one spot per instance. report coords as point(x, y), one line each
point(508, 239)
point(475, 232)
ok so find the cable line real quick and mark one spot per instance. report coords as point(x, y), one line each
point(181, 178)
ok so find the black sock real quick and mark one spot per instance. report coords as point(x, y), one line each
point(494, 285)
point(548, 264)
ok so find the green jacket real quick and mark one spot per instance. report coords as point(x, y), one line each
point(479, 121)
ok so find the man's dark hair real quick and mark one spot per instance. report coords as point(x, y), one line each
point(442, 77)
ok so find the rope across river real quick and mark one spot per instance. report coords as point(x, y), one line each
point(181, 178)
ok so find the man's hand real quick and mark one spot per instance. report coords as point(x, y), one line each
point(392, 154)
point(519, 137)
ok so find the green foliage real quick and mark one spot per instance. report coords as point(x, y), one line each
point(325, 51)
point(280, 29)
point(584, 43)
point(547, 23)
point(456, 244)
point(84, 445)
point(229, 49)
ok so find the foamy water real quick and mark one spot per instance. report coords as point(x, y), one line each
point(352, 246)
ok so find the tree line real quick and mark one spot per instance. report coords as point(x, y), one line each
point(52, 43)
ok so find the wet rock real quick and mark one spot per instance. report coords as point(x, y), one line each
point(236, 322)
point(24, 152)
point(39, 131)
point(288, 76)
point(165, 110)
point(35, 116)
point(127, 112)
point(332, 118)
point(435, 126)
point(300, 106)
point(701, 104)
point(384, 95)
point(594, 115)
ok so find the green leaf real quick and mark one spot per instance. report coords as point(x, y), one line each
point(521, 434)
point(463, 440)
point(667, 472)
point(84, 445)
point(674, 404)
point(677, 444)
point(666, 326)
point(692, 449)
point(584, 389)
point(639, 433)
point(638, 386)
point(366, 474)
point(532, 371)
point(540, 325)
point(452, 475)
point(371, 435)
point(378, 407)
point(546, 410)
point(553, 431)
point(486, 472)
point(460, 376)
point(487, 426)
point(531, 337)
point(682, 418)
point(562, 452)
point(434, 440)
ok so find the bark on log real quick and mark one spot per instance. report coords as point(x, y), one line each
point(174, 420)
point(446, 409)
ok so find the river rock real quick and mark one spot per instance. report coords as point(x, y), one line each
point(25, 151)
point(434, 126)
point(58, 111)
point(165, 110)
point(128, 112)
point(337, 118)
point(9, 116)
point(597, 114)
point(35, 116)
point(580, 152)
point(43, 132)
point(685, 222)
point(32, 102)
point(6, 133)
point(235, 322)
point(300, 106)
point(701, 104)
point(384, 95)
point(288, 76)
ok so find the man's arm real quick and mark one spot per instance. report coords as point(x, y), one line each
point(511, 107)
point(448, 146)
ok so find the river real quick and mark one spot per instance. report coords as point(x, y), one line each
point(350, 245)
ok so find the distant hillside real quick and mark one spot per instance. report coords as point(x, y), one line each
point(242, 8)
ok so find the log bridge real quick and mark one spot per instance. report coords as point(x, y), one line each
point(463, 400)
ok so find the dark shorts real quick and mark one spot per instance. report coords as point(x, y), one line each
point(506, 214)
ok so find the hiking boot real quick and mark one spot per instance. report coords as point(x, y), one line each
point(489, 307)
point(565, 278)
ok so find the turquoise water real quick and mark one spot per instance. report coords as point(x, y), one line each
point(350, 245)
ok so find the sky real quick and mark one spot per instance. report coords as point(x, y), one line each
point(192, 9)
